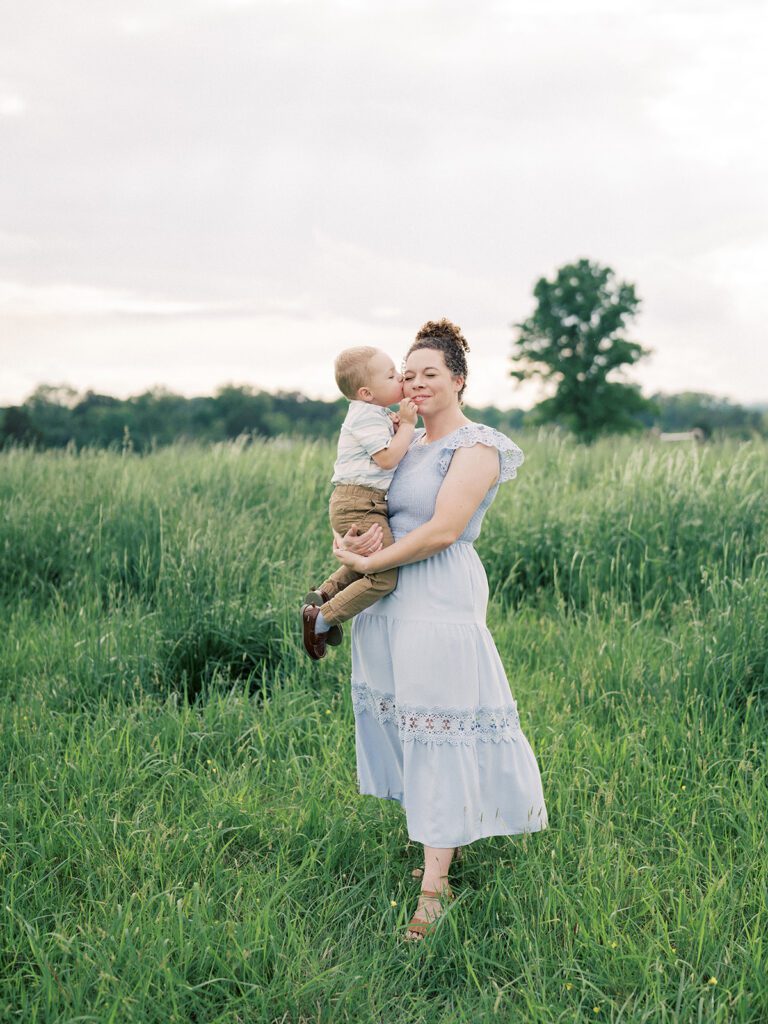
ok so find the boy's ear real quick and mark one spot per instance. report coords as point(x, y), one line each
point(364, 394)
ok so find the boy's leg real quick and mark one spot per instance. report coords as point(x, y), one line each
point(346, 507)
point(364, 590)
point(359, 595)
point(338, 580)
point(350, 505)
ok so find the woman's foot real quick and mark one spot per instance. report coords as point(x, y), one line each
point(429, 909)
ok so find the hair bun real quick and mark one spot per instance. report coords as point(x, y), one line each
point(445, 331)
point(447, 338)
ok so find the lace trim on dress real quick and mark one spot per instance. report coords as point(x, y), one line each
point(438, 724)
point(477, 433)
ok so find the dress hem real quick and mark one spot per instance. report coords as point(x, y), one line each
point(463, 841)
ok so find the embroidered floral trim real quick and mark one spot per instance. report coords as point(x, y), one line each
point(438, 724)
point(511, 456)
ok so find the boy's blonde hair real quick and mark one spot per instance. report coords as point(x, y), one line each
point(351, 369)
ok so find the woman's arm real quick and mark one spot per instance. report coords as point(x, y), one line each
point(470, 475)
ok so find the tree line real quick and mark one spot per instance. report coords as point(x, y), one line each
point(575, 342)
point(54, 417)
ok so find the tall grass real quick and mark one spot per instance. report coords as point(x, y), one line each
point(181, 837)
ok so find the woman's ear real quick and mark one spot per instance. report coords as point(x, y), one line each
point(458, 383)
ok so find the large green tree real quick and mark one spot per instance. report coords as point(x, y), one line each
point(574, 339)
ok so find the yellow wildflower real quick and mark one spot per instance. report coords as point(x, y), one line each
point(712, 981)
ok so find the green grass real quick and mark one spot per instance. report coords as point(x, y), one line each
point(181, 837)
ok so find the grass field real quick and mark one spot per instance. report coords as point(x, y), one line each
point(181, 838)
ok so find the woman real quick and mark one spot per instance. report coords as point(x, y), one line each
point(436, 725)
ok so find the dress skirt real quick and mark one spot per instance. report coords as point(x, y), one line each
point(436, 727)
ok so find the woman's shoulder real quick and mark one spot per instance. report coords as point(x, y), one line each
point(470, 434)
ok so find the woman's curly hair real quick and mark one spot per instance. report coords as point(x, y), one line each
point(448, 339)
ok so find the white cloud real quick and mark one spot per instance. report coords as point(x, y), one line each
point(11, 105)
point(298, 167)
point(20, 300)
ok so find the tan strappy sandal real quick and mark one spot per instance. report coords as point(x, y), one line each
point(458, 855)
point(423, 928)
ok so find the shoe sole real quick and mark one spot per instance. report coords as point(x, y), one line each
point(335, 633)
point(309, 654)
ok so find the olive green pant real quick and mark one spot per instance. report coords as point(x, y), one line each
point(349, 592)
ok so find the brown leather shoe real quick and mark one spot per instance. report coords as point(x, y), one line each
point(335, 634)
point(314, 643)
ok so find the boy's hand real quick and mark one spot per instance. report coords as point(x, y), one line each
point(395, 420)
point(408, 411)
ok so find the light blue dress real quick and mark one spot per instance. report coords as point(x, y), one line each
point(436, 726)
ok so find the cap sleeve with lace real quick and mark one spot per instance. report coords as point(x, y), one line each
point(510, 456)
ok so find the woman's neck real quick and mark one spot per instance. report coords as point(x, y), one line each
point(442, 423)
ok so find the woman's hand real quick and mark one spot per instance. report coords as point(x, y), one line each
point(353, 549)
point(349, 558)
point(362, 543)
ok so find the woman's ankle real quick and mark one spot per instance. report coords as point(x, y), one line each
point(435, 883)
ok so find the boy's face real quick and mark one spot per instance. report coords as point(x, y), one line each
point(384, 385)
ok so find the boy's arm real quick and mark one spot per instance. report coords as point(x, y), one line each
point(392, 455)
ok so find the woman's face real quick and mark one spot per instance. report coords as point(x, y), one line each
point(428, 381)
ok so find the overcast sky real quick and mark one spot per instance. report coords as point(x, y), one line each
point(196, 192)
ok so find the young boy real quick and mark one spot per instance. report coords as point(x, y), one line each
point(368, 453)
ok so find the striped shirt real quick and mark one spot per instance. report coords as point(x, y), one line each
point(366, 430)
